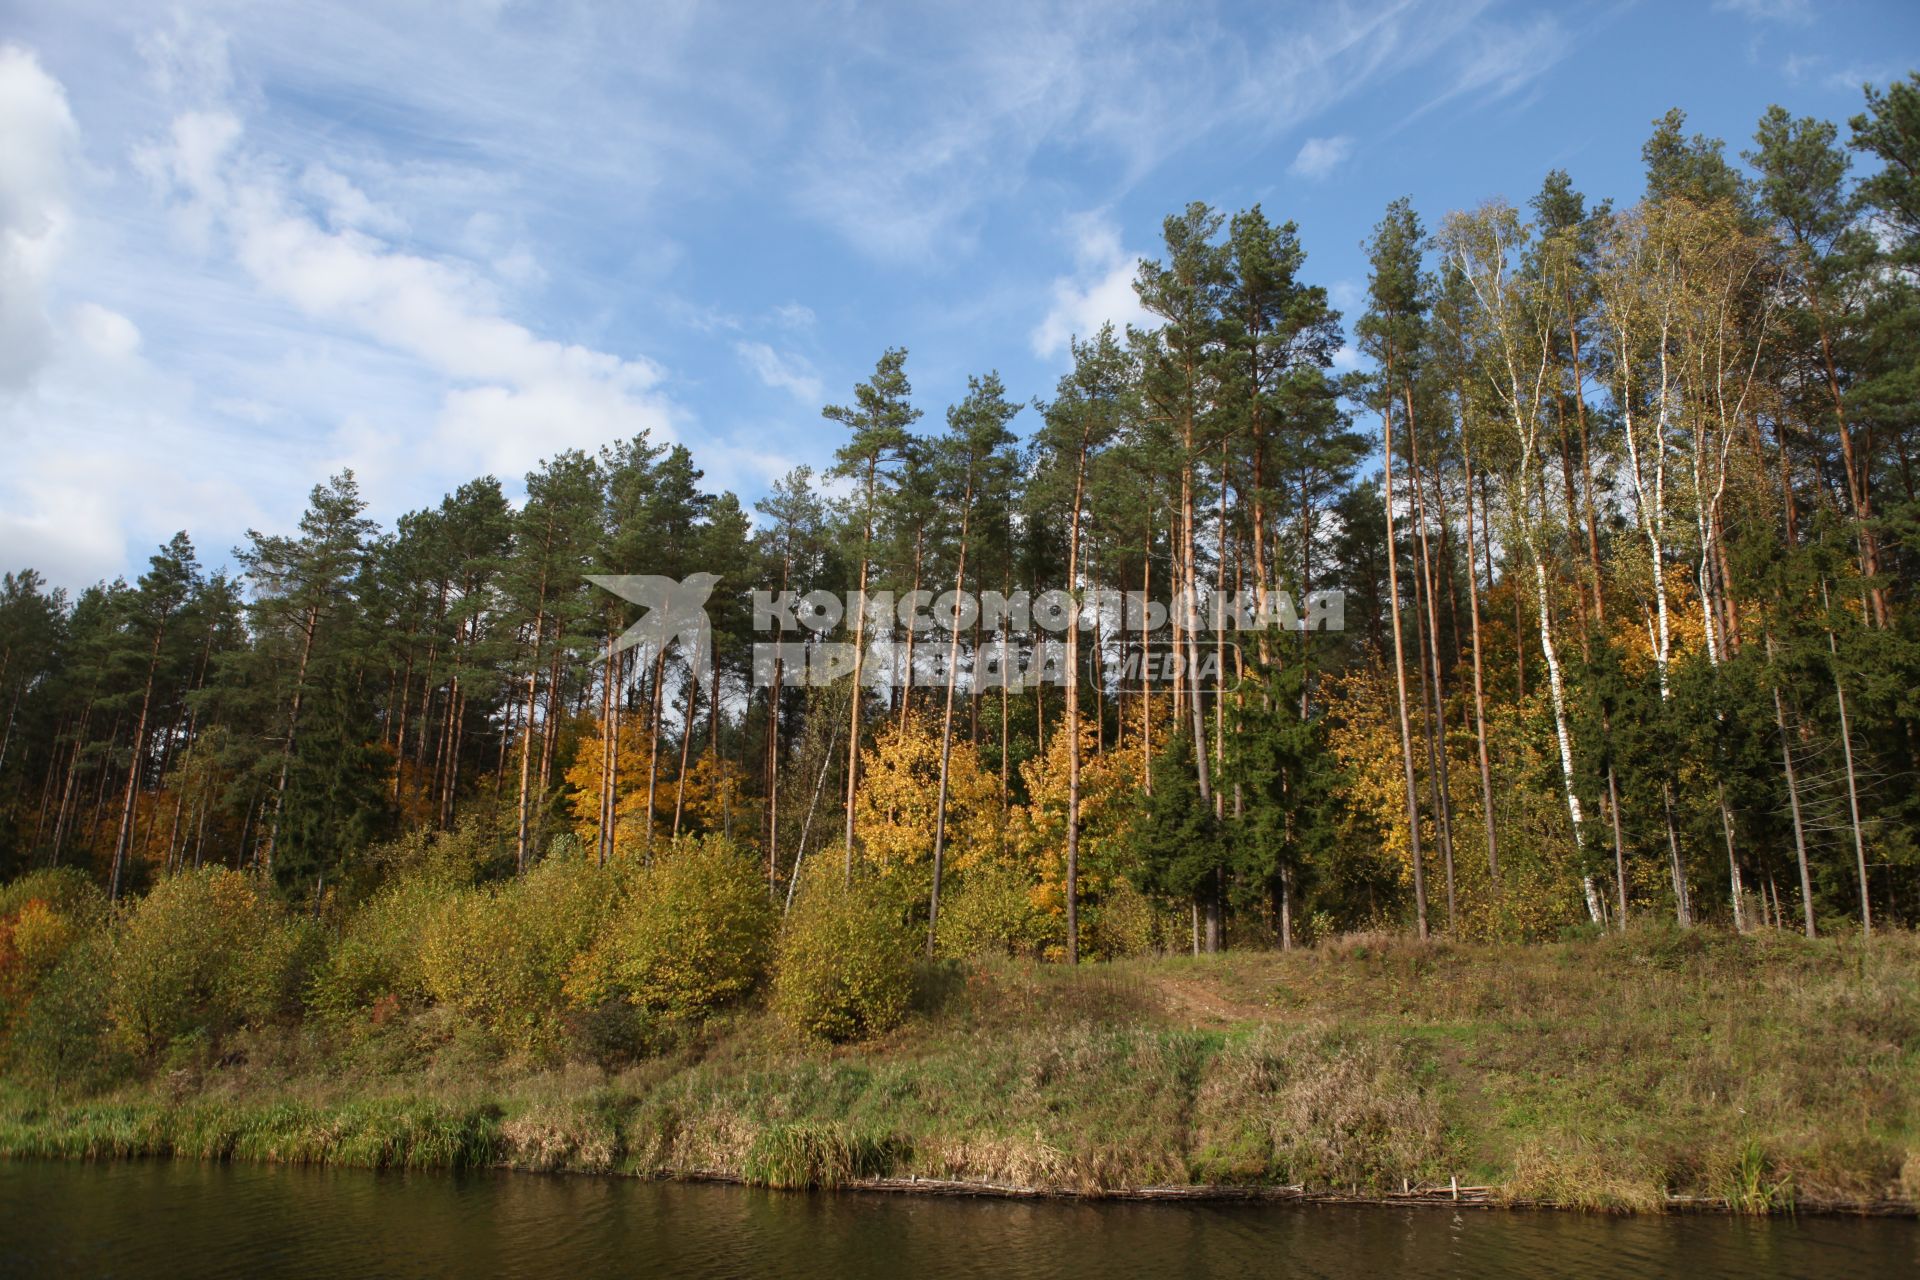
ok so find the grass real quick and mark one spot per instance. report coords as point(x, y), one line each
point(1760, 1074)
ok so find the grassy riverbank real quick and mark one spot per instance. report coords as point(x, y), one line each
point(1644, 1073)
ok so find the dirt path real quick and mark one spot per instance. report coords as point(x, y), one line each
point(1190, 999)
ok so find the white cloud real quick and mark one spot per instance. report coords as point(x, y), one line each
point(1100, 289)
point(783, 371)
point(347, 206)
point(516, 397)
point(749, 466)
point(188, 59)
point(105, 332)
point(68, 495)
point(1849, 79)
point(1768, 10)
point(794, 315)
point(1508, 58)
point(264, 311)
point(34, 217)
point(1320, 156)
point(1498, 59)
point(903, 152)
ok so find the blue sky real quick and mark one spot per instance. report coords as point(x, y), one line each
point(243, 245)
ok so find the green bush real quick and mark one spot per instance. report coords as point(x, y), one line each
point(67, 890)
point(845, 964)
point(61, 1037)
point(204, 953)
point(1122, 924)
point(500, 956)
point(448, 858)
point(990, 909)
point(377, 956)
point(42, 916)
point(694, 933)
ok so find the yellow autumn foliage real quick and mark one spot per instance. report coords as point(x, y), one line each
point(899, 798)
point(630, 787)
point(243, 965)
point(693, 932)
point(500, 956)
point(1539, 874)
point(1364, 736)
point(717, 800)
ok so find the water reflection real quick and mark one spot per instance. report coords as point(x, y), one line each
point(161, 1219)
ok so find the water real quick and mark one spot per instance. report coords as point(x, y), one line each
point(179, 1218)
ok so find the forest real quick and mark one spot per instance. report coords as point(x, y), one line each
point(1621, 497)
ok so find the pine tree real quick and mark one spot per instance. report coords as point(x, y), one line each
point(1391, 332)
point(879, 419)
point(794, 540)
point(976, 432)
point(1281, 764)
point(300, 586)
point(1090, 409)
point(553, 538)
point(171, 577)
point(1178, 840)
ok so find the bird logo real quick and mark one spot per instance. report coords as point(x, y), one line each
point(676, 610)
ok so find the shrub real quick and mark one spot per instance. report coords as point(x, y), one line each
point(695, 933)
point(378, 953)
point(67, 890)
point(613, 1033)
point(499, 957)
point(42, 915)
point(204, 953)
point(456, 857)
point(54, 954)
point(1123, 924)
point(845, 963)
point(60, 1037)
point(990, 910)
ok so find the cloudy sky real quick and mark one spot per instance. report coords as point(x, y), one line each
point(244, 245)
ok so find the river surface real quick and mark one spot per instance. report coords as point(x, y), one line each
point(177, 1218)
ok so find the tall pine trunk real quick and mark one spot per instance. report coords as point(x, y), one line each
point(1400, 679)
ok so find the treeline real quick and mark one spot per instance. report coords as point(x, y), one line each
point(1626, 541)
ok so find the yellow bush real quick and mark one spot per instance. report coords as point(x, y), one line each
point(42, 914)
point(500, 956)
point(206, 951)
point(1123, 923)
point(66, 890)
point(695, 933)
point(845, 963)
point(989, 909)
point(378, 952)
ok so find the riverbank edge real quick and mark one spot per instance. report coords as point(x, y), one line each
point(1417, 1197)
point(139, 1133)
point(1616, 1075)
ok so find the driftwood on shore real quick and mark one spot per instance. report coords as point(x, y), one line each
point(1411, 1195)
